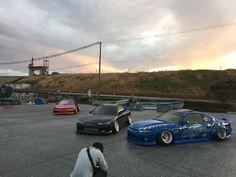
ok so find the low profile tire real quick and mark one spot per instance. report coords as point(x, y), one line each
point(76, 132)
point(220, 134)
point(116, 127)
point(129, 121)
point(165, 138)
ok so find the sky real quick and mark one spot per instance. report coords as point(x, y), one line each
point(136, 36)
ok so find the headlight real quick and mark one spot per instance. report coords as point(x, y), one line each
point(81, 122)
point(225, 123)
point(145, 131)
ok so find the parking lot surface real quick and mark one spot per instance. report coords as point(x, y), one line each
point(35, 143)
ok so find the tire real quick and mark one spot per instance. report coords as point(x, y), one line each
point(116, 127)
point(220, 134)
point(77, 132)
point(129, 121)
point(75, 112)
point(165, 138)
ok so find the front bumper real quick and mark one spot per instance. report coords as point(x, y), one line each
point(94, 129)
point(146, 139)
point(64, 111)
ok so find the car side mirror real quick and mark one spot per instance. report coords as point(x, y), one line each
point(91, 111)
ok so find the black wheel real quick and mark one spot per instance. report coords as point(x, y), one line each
point(116, 127)
point(129, 121)
point(165, 138)
point(220, 134)
point(77, 132)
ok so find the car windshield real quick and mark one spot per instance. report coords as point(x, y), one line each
point(105, 110)
point(66, 102)
point(169, 117)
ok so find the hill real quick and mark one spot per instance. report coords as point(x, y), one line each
point(4, 79)
point(196, 84)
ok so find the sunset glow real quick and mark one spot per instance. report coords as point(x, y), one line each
point(141, 36)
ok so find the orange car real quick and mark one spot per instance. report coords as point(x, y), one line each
point(66, 107)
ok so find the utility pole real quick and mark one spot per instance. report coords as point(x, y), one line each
point(99, 70)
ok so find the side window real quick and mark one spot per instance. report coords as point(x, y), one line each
point(206, 118)
point(194, 118)
point(120, 110)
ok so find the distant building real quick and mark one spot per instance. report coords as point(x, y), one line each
point(39, 70)
point(17, 84)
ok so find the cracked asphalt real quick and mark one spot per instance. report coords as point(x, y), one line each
point(34, 143)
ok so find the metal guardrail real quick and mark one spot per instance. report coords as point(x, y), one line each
point(123, 96)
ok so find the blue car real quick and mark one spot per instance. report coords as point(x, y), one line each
point(180, 126)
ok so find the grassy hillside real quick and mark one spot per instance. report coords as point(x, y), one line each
point(180, 84)
point(4, 79)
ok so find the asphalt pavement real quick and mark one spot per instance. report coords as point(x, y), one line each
point(35, 143)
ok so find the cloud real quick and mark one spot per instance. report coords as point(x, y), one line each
point(128, 31)
point(167, 68)
point(10, 72)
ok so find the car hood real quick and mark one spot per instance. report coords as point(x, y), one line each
point(147, 123)
point(64, 106)
point(96, 118)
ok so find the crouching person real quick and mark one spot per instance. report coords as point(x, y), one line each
point(91, 162)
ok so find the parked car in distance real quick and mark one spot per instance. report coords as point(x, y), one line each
point(180, 126)
point(104, 119)
point(66, 107)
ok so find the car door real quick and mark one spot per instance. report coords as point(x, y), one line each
point(207, 126)
point(122, 116)
point(194, 127)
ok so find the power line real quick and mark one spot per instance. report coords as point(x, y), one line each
point(49, 56)
point(168, 58)
point(172, 34)
point(63, 53)
point(123, 40)
point(14, 62)
point(72, 67)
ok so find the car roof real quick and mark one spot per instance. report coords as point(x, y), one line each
point(110, 104)
point(183, 110)
point(187, 111)
point(67, 100)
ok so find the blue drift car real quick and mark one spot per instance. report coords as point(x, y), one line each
point(180, 126)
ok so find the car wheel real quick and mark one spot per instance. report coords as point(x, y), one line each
point(165, 138)
point(129, 121)
point(220, 134)
point(116, 127)
point(77, 132)
point(75, 112)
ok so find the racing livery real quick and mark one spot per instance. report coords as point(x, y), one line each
point(180, 126)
